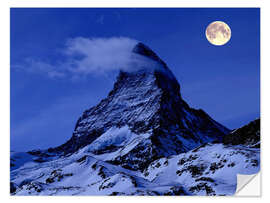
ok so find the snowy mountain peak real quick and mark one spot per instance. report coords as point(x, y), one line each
point(163, 75)
point(148, 105)
point(142, 139)
point(144, 50)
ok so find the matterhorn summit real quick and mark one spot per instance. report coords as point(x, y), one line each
point(147, 105)
point(131, 140)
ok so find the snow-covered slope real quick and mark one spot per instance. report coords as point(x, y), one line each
point(208, 170)
point(145, 102)
point(142, 139)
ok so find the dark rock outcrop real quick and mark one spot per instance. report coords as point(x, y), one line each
point(248, 135)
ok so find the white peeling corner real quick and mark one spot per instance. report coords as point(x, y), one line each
point(248, 185)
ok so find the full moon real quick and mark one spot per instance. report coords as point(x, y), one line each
point(218, 33)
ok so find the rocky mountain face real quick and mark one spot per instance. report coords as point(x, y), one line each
point(209, 169)
point(142, 139)
point(147, 101)
point(248, 135)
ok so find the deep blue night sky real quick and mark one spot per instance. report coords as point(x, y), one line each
point(222, 80)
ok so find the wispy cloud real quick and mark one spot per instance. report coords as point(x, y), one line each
point(31, 65)
point(84, 56)
point(98, 55)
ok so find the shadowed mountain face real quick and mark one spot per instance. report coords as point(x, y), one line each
point(123, 145)
point(248, 135)
point(147, 102)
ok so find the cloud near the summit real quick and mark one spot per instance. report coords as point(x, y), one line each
point(98, 55)
point(88, 56)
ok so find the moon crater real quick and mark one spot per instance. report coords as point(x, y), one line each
point(218, 33)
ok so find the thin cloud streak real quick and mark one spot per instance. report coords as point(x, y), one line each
point(84, 56)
